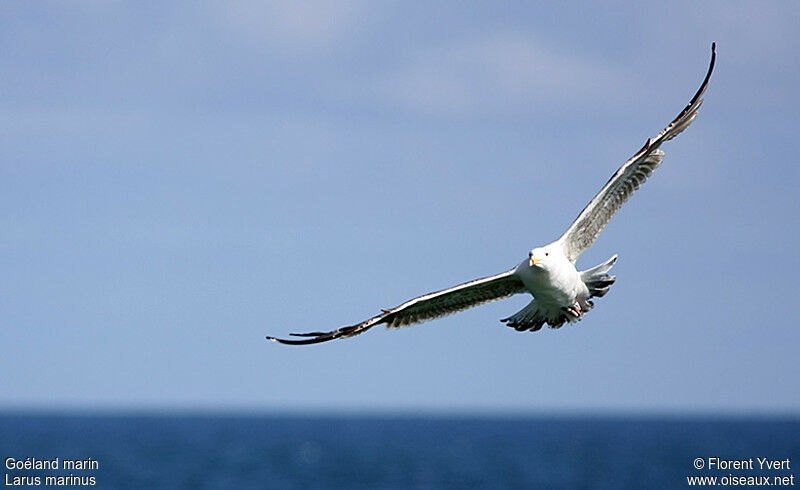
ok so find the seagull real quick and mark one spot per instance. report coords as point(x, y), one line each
point(561, 293)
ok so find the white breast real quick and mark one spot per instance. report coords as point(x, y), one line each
point(554, 287)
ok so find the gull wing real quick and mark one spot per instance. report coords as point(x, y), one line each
point(595, 216)
point(426, 307)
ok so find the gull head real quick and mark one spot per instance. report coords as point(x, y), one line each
point(541, 258)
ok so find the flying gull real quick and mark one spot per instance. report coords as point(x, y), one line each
point(561, 293)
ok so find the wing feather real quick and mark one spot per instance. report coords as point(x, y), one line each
point(425, 307)
point(630, 176)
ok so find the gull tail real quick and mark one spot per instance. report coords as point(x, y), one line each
point(597, 278)
point(530, 319)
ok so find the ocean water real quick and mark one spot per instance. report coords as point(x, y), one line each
point(374, 452)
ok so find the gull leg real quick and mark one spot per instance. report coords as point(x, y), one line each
point(574, 310)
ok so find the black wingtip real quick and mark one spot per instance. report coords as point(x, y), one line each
point(708, 73)
point(701, 90)
point(313, 340)
point(711, 64)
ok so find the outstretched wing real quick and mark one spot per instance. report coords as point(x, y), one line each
point(595, 216)
point(427, 307)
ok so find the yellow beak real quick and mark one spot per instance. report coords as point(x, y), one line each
point(534, 260)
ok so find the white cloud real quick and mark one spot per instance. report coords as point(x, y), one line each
point(505, 73)
point(289, 26)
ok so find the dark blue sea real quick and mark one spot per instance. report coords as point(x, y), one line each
point(172, 451)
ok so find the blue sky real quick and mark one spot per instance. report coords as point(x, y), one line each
point(178, 180)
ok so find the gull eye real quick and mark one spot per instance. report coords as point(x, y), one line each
point(547, 254)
